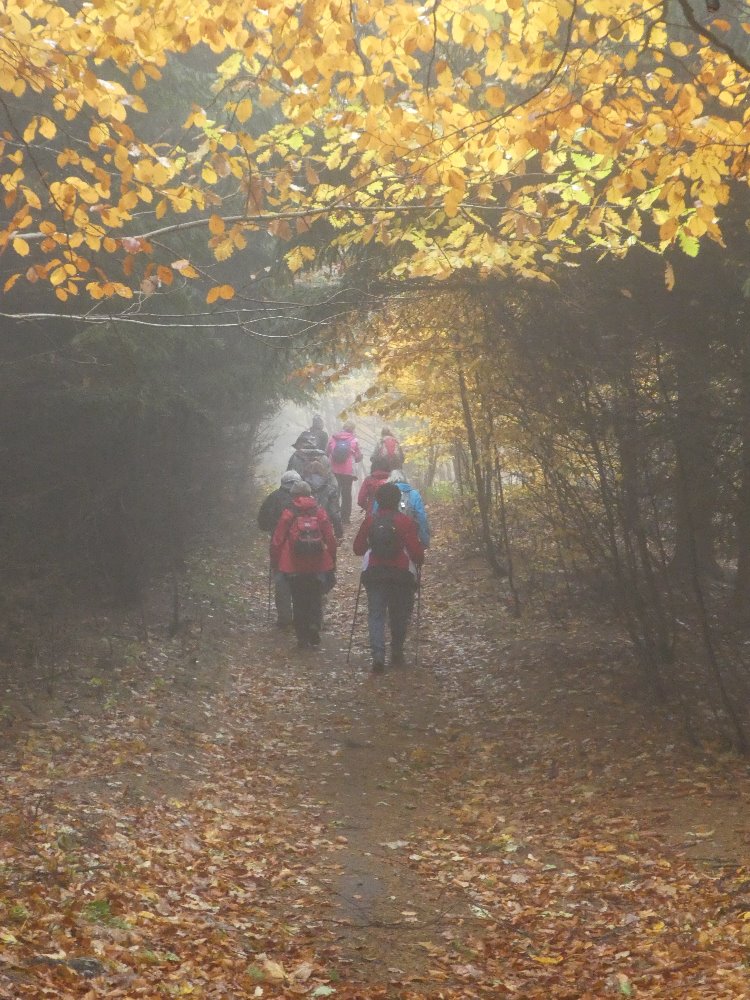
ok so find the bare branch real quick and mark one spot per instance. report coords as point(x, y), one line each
point(709, 36)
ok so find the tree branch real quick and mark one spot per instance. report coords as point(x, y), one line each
point(709, 36)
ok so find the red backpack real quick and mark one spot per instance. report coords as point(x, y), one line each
point(390, 450)
point(305, 535)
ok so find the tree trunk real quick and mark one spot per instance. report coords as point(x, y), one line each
point(483, 500)
point(742, 583)
point(694, 492)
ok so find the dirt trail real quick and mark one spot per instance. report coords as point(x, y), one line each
point(224, 816)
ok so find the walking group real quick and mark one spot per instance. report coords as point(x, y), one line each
point(306, 517)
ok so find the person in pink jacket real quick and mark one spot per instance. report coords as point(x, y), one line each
point(343, 452)
point(303, 548)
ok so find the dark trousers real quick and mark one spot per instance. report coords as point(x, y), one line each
point(393, 601)
point(282, 598)
point(307, 605)
point(345, 489)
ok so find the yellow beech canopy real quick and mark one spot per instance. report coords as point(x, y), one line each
point(500, 136)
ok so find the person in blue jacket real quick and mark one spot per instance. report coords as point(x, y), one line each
point(411, 504)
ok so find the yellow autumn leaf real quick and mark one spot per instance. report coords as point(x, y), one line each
point(548, 959)
point(452, 202)
point(297, 256)
point(29, 132)
point(189, 272)
point(47, 128)
point(98, 134)
point(216, 225)
point(226, 292)
point(495, 97)
point(244, 110)
point(374, 92)
point(21, 247)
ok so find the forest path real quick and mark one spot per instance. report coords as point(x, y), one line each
point(221, 815)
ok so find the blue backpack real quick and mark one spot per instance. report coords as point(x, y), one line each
point(340, 451)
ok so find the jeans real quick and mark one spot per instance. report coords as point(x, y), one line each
point(345, 489)
point(395, 601)
point(307, 606)
point(282, 598)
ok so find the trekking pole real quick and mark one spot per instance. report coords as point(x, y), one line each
point(419, 613)
point(270, 579)
point(354, 621)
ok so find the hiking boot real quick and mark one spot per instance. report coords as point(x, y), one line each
point(398, 659)
point(378, 666)
point(314, 637)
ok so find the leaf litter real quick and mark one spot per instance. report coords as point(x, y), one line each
point(265, 824)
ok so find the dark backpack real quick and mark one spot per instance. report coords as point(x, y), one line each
point(383, 537)
point(305, 535)
point(340, 451)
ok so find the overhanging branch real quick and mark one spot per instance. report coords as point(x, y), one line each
point(709, 36)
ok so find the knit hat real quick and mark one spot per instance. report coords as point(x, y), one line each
point(290, 477)
point(301, 489)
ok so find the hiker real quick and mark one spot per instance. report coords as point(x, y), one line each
point(303, 548)
point(390, 544)
point(325, 489)
point(344, 451)
point(319, 433)
point(268, 517)
point(411, 503)
point(379, 473)
point(306, 451)
point(389, 449)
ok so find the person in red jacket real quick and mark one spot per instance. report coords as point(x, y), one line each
point(390, 450)
point(303, 548)
point(393, 552)
point(379, 472)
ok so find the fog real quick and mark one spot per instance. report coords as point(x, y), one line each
point(281, 431)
